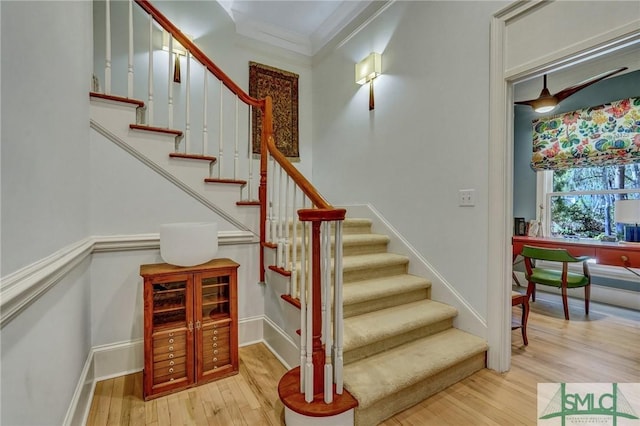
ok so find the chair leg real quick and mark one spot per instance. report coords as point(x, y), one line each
point(525, 318)
point(587, 295)
point(531, 291)
point(565, 303)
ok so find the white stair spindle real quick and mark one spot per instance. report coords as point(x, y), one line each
point(326, 282)
point(337, 309)
point(280, 254)
point(205, 128)
point(308, 391)
point(107, 55)
point(150, 77)
point(236, 154)
point(295, 289)
point(250, 157)
point(170, 81)
point(220, 142)
point(286, 225)
point(303, 311)
point(187, 116)
point(130, 68)
point(268, 237)
point(272, 204)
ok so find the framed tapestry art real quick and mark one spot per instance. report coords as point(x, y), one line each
point(282, 86)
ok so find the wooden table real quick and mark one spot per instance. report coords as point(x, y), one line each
point(626, 255)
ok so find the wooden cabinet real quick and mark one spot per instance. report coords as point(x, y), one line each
point(190, 325)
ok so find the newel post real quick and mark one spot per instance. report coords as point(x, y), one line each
point(316, 217)
point(267, 132)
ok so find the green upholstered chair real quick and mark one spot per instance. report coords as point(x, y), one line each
point(561, 279)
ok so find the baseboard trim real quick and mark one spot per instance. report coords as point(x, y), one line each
point(118, 359)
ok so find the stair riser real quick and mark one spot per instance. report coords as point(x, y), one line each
point(412, 395)
point(348, 228)
point(352, 355)
point(375, 271)
point(353, 249)
point(385, 302)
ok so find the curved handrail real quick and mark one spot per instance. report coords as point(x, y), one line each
point(198, 54)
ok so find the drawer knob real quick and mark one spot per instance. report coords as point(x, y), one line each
point(215, 345)
point(215, 352)
point(215, 359)
point(215, 338)
point(215, 331)
point(171, 362)
point(170, 356)
point(171, 348)
point(171, 334)
point(170, 340)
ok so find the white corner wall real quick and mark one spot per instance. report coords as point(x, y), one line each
point(46, 73)
point(427, 137)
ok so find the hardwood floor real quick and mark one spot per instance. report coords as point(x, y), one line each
point(603, 347)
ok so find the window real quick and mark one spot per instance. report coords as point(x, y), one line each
point(580, 201)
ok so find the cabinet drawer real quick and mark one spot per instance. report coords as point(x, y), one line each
point(217, 361)
point(215, 334)
point(167, 374)
point(219, 351)
point(166, 345)
point(619, 257)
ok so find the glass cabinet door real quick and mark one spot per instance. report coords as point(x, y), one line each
point(169, 304)
point(215, 298)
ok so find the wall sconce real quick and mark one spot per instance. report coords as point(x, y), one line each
point(178, 50)
point(368, 69)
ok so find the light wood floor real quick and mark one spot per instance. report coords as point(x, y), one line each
point(603, 347)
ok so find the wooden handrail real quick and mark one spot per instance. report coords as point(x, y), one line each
point(198, 54)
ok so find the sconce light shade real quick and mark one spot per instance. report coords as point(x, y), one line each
point(188, 244)
point(178, 49)
point(369, 68)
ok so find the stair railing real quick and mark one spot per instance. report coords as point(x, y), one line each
point(288, 201)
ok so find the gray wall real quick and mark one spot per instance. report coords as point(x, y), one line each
point(46, 73)
point(427, 137)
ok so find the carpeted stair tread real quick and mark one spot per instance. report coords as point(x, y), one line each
point(372, 327)
point(384, 374)
point(377, 288)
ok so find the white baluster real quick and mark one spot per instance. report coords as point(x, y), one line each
point(250, 182)
point(220, 142)
point(205, 128)
point(286, 225)
point(130, 69)
point(272, 203)
point(280, 255)
point(326, 314)
point(187, 118)
point(303, 310)
point(150, 77)
point(107, 55)
point(308, 391)
point(268, 225)
point(170, 80)
point(294, 248)
point(337, 308)
point(236, 155)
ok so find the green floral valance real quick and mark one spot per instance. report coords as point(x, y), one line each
point(597, 136)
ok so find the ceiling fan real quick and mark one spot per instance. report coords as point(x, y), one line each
point(547, 102)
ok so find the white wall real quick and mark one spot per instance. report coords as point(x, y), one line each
point(427, 137)
point(46, 72)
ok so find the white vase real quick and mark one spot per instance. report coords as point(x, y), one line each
point(188, 244)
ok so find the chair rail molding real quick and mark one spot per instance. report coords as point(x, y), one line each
point(21, 288)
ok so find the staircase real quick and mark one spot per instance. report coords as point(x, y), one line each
point(400, 347)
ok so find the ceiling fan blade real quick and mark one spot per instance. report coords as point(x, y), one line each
point(565, 93)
